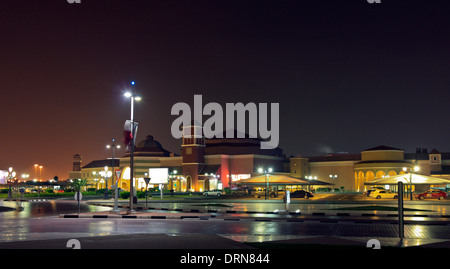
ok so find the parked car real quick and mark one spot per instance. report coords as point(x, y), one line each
point(301, 194)
point(237, 192)
point(213, 193)
point(432, 194)
point(378, 194)
point(261, 192)
point(373, 189)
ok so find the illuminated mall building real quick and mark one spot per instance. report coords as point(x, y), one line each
point(218, 163)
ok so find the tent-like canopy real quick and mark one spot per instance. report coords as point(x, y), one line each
point(405, 178)
point(279, 179)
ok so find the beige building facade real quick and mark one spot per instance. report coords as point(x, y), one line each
point(350, 171)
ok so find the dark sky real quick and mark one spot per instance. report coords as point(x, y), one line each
point(348, 75)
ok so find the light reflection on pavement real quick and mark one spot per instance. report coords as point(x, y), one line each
point(45, 208)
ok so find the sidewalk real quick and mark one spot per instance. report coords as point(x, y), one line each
point(276, 207)
point(376, 221)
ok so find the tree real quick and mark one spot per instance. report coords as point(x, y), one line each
point(78, 183)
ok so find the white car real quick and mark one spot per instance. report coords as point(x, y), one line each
point(213, 193)
point(383, 194)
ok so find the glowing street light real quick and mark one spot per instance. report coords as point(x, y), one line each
point(10, 177)
point(133, 98)
point(261, 170)
point(411, 170)
point(40, 172)
point(333, 177)
point(116, 183)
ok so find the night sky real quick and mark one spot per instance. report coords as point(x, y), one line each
point(348, 75)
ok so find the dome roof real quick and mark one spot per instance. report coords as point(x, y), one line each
point(382, 147)
point(149, 142)
point(150, 147)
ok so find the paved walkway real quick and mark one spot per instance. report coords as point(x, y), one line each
point(429, 228)
point(225, 224)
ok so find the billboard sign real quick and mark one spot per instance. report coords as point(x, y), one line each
point(3, 175)
point(158, 175)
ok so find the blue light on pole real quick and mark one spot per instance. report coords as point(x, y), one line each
point(132, 83)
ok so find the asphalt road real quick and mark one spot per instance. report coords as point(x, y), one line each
point(38, 221)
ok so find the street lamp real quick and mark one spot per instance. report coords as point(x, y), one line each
point(40, 173)
point(35, 170)
point(10, 176)
point(25, 177)
point(333, 177)
point(411, 170)
point(173, 177)
point(133, 98)
point(267, 179)
point(105, 174)
point(116, 183)
point(310, 178)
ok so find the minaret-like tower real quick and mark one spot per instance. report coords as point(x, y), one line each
point(193, 152)
point(76, 168)
point(76, 162)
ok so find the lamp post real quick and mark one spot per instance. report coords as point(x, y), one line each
point(411, 170)
point(173, 177)
point(116, 183)
point(35, 170)
point(25, 177)
point(40, 172)
point(10, 177)
point(267, 180)
point(133, 98)
point(333, 177)
point(105, 174)
point(310, 178)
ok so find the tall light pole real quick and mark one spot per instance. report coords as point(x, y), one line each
point(333, 177)
point(105, 174)
point(11, 176)
point(267, 180)
point(40, 172)
point(133, 98)
point(116, 183)
point(35, 170)
point(411, 170)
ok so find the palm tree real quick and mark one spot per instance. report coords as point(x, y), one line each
point(77, 184)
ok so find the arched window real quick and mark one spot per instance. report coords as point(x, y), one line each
point(380, 174)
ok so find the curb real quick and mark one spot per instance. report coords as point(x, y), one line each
point(282, 212)
point(72, 216)
point(260, 219)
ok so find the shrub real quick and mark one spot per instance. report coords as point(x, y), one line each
point(101, 191)
point(125, 195)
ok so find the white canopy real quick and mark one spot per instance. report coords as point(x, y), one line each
point(416, 179)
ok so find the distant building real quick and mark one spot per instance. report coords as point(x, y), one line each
point(218, 163)
point(99, 173)
point(76, 169)
point(204, 163)
point(351, 171)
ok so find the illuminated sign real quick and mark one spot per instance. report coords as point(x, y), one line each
point(3, 175)
point(238, 177)
point(158, 175)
